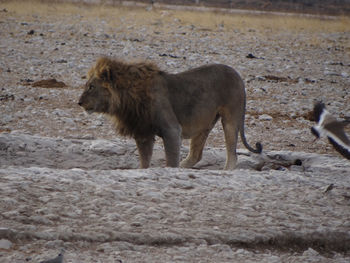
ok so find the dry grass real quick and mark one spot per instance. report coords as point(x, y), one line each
point(263, 22)
point(207, 20)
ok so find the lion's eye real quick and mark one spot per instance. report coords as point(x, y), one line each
point(91, 87)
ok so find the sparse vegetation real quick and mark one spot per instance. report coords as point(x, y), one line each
point(334, 7)
point(206, 20)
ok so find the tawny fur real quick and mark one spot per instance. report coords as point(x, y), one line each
point(144, 102)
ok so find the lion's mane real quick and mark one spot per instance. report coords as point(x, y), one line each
point(131, 95)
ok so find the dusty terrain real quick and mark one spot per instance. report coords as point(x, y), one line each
point(65, 175)
point(333, 7)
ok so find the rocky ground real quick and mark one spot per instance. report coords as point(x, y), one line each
point(66, 177)
point(83, 196)
point(333, 7)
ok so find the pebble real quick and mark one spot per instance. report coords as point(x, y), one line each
point(265, 117)
point(5, 244)
point(345, 74)
point(310, 252)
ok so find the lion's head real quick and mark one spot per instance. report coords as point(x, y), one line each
point(121, 91)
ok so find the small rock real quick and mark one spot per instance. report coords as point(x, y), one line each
point(330, 73)
point(310, 253)
point(265, 117)
point(61, 61)
point(60, 113)
point(5, 244)
point(344, 74)
point(58, 259)
point(250, 55)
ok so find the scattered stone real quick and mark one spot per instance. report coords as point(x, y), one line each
point(280, 79)
point(5, 244)
point(7, 97)
point(251, 56)
point(171, 56)
point(265, 117)
point(58, 259)
point(310, 252)
point(61, 61)
point(344, 74)
point(331, 73)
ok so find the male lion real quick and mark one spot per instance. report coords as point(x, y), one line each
point(144, 101)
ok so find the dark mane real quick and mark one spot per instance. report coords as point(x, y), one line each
point(130, 106)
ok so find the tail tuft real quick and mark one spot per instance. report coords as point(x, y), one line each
point(258, 147)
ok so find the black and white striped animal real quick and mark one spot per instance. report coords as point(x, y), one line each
point(328, 126)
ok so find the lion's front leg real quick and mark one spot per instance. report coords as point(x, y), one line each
point(172, 144)
point(169, 129)
point(145, 148)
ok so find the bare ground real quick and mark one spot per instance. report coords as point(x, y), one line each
point(288, 70)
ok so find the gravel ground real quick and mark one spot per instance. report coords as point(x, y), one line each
point(291, 70)
point(62, 156)
point(101, 211)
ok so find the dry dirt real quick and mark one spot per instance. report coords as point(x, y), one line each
point(288, 63)
point(291, 68)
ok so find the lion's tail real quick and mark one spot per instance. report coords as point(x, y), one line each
point(258, 145)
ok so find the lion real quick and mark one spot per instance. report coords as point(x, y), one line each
point(144, 101)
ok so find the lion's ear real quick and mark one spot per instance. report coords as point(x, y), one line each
point(103, 69)
point(106, 73)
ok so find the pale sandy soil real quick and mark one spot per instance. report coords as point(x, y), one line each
point(310, 64)
point(298, 61)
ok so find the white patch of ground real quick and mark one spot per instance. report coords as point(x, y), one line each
point(83, 196)
point(67, 181)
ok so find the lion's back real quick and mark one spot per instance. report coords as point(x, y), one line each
point(210, 83)
point(197, 96)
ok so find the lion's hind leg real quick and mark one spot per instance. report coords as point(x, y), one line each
point(197, 146)
point(231, 129)
point(196, 150)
